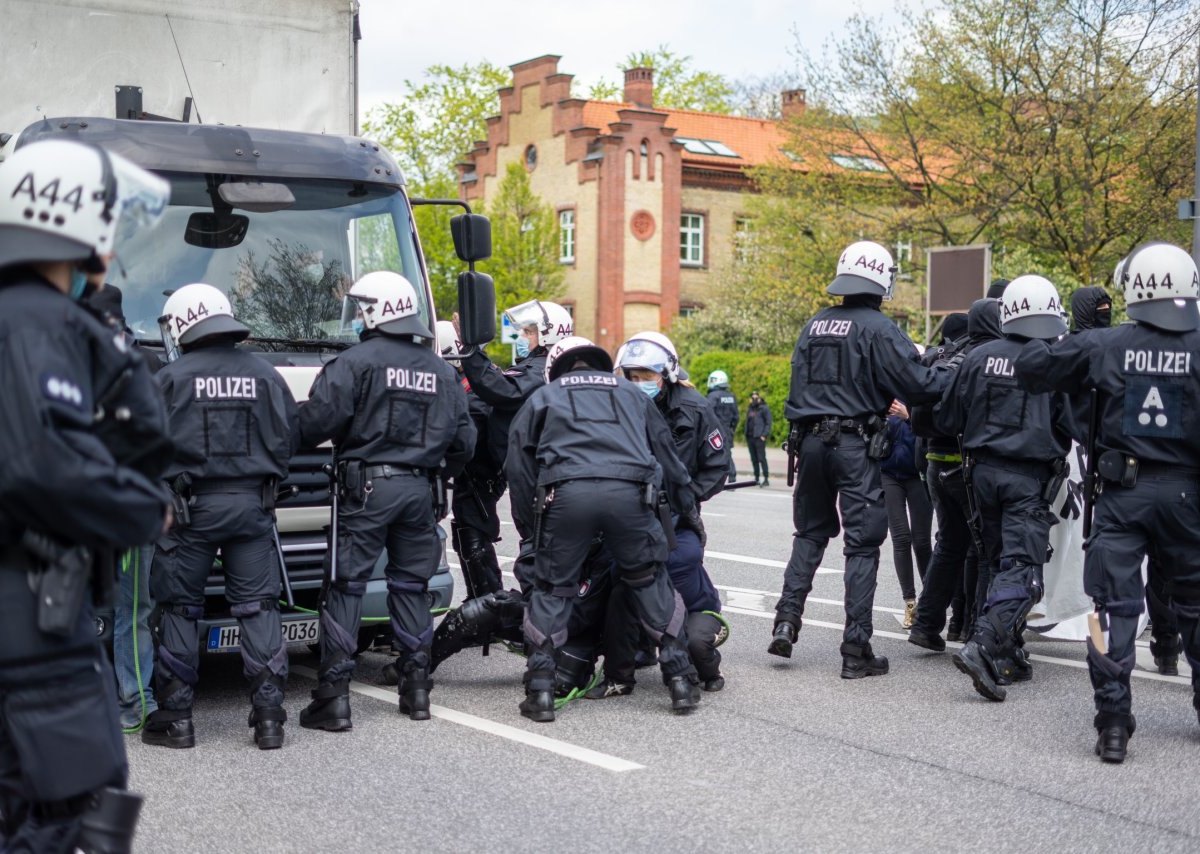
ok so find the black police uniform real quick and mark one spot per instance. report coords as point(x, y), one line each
point(585, 453)
point(725, 407)
point(701, 448)
point(477, 490)
point(397, 416)
point(60, 739)
point(758, 431)
point(849, 364)
point(950, 568)
point(1149, 395)
point(505, 390)
point(235, 423)
point(1013, 441)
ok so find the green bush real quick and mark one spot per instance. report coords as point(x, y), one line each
point(770, 376)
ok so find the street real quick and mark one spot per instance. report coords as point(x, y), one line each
point(788, 757)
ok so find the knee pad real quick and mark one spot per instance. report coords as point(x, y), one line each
point(640, 577)
point(243, 610)
point(350, 588)
point(403, 585)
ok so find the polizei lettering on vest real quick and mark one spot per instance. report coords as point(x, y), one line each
point(998, 366)
point(1158, 362)
point(578, 379)
point(835, 328)
point(424, 382)
point(226, 388)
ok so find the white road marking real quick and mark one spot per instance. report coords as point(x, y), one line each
point(762, 561)
point(530, 739)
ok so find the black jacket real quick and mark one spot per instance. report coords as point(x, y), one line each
point(504, 390)
point(591, 424)
point(231, 414)
point(725, 407)
point(699, 442)
point(57, 474)
point(388, 400)
point(758, 421)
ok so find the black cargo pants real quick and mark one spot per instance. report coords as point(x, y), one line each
point(829, 476)
point(945, 574)
point(473, 530)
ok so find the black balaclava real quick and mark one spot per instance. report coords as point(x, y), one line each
point(1084, 309)
point(997, 289)
point(955, 327)
point(983, 321)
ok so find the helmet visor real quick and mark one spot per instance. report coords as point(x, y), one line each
point(142, 198)
point(352, 309)
point(528, 314)
point(643, 354)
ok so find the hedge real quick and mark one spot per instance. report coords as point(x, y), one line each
point(770, 376)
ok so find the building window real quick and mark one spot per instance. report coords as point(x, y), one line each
point(743, 238)
point(706, 146)
point(531, 157)
point(566, 237)
point(858, 163)
point(904, 260)
point(689, 310)
point(691, 240)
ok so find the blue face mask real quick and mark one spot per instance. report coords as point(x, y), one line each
point(78, 283)
point(522, 347)
point(358, 326)
point(650, 387)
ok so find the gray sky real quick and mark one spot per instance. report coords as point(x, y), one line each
point(736, 38)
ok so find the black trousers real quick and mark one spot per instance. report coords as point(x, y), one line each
point(473, 531)
point(829, 476)
point(633, 535)
point(945, 574)
point(236, 526)
point(1164, 626)
point(910, 526)
point(397, 515)
point(60, 738)
point(1160, 511)
point(758, 456)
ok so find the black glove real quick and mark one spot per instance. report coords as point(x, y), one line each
point(691, 521)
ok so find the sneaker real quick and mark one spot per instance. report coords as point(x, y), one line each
point(609, 688)
point(910, 613)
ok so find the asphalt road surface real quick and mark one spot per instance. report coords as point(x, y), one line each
point(788, 757)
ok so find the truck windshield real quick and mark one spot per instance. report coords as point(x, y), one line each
point(286, 277)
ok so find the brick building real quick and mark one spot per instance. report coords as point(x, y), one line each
point(651, 203)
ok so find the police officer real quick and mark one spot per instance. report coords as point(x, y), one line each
point(585, 456)
point(948, 569)
point(65, 493)
point(725, 406)
point(1015, 443)
point(650, 361)
point(540, 325)
point(849, 364)
point(235, 424)
point(758, 431)
point(1147, 378)
point(398, 417)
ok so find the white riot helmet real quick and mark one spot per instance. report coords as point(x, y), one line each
point(1030, 307)
point(864, 268)
point(651, 351)
point(62, 200)
point(1161, 287)
point(388, 302)
point(447, 341)
point(565, 353)
point(195, 312)
point(552, 322)
point(718, 379)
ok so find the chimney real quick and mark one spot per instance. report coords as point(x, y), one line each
point(793, 101)
point(639, 87)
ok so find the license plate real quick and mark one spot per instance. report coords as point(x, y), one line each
point(229, 638)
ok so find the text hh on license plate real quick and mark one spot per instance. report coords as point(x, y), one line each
point(226, 638)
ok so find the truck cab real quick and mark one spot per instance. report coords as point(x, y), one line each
point(282, 222)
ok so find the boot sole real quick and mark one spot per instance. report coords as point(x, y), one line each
point(781, 648)
point(541, 717)
point(173, 742)
point(683, 707)
point(333, 725)
point(925, 643)
point(860, 674)
point(982, 688)
point(272, 743)
point(1110, 756)
point(414, 714)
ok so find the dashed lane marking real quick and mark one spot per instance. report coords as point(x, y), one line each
point(511, 733)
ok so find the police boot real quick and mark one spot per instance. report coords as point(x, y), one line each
point(859, 661)
point(538, 704)
point(414, 692)
point(1113, 732)
point(975, 660)
point(330, 707)
point(169, 728)
point(784, 638)
point(1166, 655)
point(107, 825)
point(267, 722)
point(926, 640)
point(390, 673)
point(685, 695)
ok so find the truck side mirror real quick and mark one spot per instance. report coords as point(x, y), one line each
point(472, 235)
point(476, 307)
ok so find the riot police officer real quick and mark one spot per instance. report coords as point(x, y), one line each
point(1147, 381)
point(725, 407)
point(235, 424)
point(476, 524)
point(649, 360)
point(585, 456)
point(849, 364)
point(1015, 444)
point(68, 488)
point(398, 419)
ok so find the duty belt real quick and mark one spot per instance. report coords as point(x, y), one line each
point(385, 470)
point(842, 425)
point(1039, 469)
point(227, 485)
